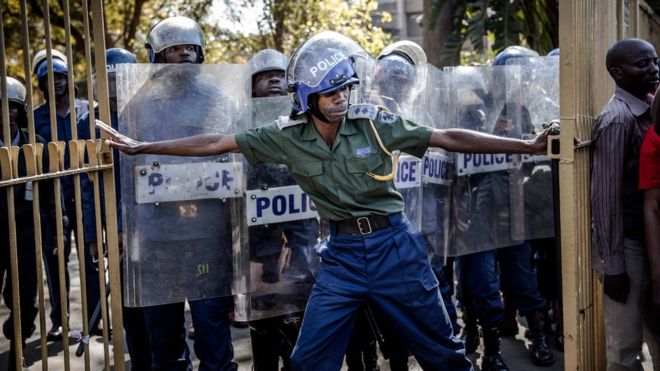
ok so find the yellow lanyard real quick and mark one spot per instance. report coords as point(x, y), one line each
point(395, 159)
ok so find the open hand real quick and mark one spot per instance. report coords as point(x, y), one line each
point(119, 141)
point(540, 143)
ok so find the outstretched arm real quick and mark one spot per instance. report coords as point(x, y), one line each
point(198, 145)
point(468, 141)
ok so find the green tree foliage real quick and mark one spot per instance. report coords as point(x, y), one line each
point(126, 22)
point(281, 24)
point(285, 24)
point(506, 22)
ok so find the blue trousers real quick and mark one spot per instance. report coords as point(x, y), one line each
point(388, 269)
point(167, 335)
point(518, 280)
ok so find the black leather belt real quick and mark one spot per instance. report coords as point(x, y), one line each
point(363, 224)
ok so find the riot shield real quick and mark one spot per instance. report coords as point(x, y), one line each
point(399, 87)
point(531, 202)
point(180, 234)
point(432, 108)
point(480, 197)
point(282, 228)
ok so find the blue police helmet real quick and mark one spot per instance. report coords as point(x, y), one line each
point(58, 67)
point(41, 56)
point(553, 52)
point(322, 64)
point(115, 56)
point(515, 51)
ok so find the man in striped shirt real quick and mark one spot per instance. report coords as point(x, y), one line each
point(616, 203)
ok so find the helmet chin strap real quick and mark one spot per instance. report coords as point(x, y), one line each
point(314, 109)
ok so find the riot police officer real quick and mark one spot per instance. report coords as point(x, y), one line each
point(518, 280)
point(274, 337)
point(373, 254)
point(24, 222)
point(64, 133)
point(179, 40)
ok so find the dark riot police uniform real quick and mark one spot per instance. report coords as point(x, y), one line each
point(43, 128)
point(373, 254)
point(180, 234)
point(173, 228)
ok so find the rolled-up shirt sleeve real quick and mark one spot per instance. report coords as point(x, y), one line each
point(607, 196)
point(262, 145)
point(406, 136)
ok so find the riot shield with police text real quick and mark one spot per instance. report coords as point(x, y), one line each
point(480, 211)
point(399, 87)
point(531, 197)
point(432, 108)
point(282, 228)
point(180, 234)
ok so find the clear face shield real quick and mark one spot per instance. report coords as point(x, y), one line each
point(310, 66)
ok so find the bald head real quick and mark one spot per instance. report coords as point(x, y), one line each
point(620, 52)
point(633, 65)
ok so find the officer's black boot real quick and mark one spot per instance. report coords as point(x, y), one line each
point(12, 356)
point(398, 363)
point(470, 334)
point(370, 355)
point(541, 353)
point(492, 360)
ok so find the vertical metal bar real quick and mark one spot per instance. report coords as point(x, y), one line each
point(100, 252)
point(97, 198)
point(36, 213)
point(80, 242)
point(88, 68)
point(568, 99)
point(109, 186)
point(13, 246)
point(57, 185)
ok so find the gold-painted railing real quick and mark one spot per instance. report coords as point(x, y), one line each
point(89, 157)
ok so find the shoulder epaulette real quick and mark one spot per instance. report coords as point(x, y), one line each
point(387, 117)
point(286, 121)
point(371, 112)
point(363, 111)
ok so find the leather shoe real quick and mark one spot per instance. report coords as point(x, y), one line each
point(55, 334)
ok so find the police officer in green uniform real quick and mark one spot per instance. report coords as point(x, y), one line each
point(340, 155)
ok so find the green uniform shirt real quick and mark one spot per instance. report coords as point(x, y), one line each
point(336, 178)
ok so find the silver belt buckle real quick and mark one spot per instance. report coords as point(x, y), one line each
point(367, 229)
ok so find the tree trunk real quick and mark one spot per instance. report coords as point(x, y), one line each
point(434, 39)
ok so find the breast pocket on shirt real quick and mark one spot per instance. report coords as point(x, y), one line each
point(358, 167)
point(312, 171)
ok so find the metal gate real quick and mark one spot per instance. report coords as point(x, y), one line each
point(88, 158)
point(587, 29)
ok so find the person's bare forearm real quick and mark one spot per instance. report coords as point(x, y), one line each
point(468, 141)
point(199, 145)
point(195, 146)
